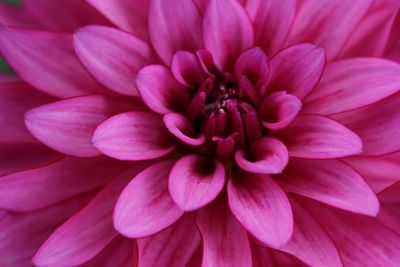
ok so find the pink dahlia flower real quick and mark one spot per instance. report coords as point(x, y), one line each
point(211, 133)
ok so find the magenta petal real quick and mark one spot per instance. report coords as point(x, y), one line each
point(352, 83)
point(328, 24)
point(120, 13)
point(297, 69)
point(390, 207)
point(266, 156)
point(271, 22)
point(227, 31)
point(225, 241)
point(253, 63)
point(67, 125)
point(187, 69)
point(145, 206)
point(113, 57)
point(160, 91)
point(278, 110)
point(361, 240)
point(47, 61)
point(16, 97)
point(86, 233)
point(376, 124)
point(133, 136)
point(174, 25)
point(332, 182)
point(172, 247)
point(262, 207)
point(319, 137)
point(182, 128)
point(310, 243)
point(57, 181)
point(195, 181)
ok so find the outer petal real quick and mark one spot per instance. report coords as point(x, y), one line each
point(371, 36)
point(195, 181)
point(23, 233)
point(271, 22)
point(113, 57)
point(227, 31)
point(174, 25)
point(50, 15)
point(353, 83)
point(86, 233)
point(319, 137)
point(160, 91)
point(121, 14)
point(219, 248)
point(133, 136)
point(361, 240)
point(310, 243)
point(50, 184)
point(266, 155)
point(47, 61)
point(19, 157)
point(16, 98)
point(390, 212)
point(120, 252)
point(262, 208)
point(67, 125)
point(332, 182)
point(379, 172)
point(172, 247)
point(328, 23)
point(377, 125)
point(296, 69)
point(145, 206)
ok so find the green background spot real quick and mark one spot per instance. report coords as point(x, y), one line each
point(11, 2)
point(3, 67)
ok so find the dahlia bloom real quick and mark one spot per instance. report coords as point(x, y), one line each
point(200, 133)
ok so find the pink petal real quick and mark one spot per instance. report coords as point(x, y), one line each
point(54, 182)
point(379, 172)
point(271, 22)
point(262, 207)
point(265, 156)
point(121, 14)
point(352, 83)
point(187, 69)
point(225, 241)
point(390, 211)
point(297, 69)
point(16, 98)
point(120, 252)
point(51, 16)
point(263, 257)
point(113, 57)
point(133, 136)
point(174, 25)
point(67, 125)
point(279, 109)
point(195, 181)
point(36, 57)
point(328, 24)
point(318, 137)
point(371, 36)
point(172, 247)
point(146, 197)
point(182, 128)
point(160, 91)
point(20, 157)
point(253, 63)
point(331, 182)
point(227, 31)
point(377, 125)
point(85, 234)
point(361, 240)
point(23, 233)
point(310, 243)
